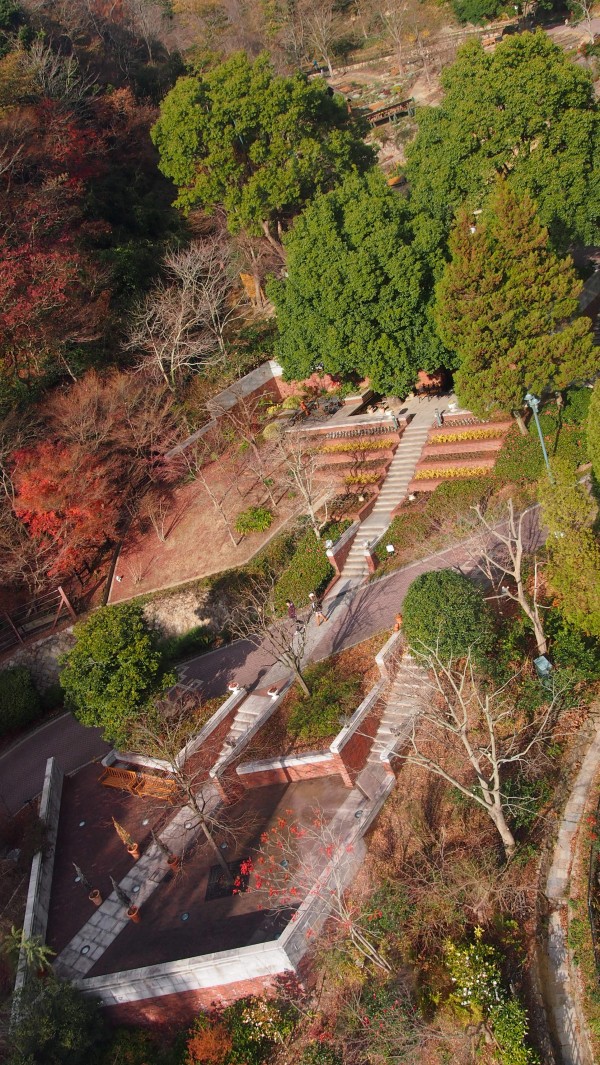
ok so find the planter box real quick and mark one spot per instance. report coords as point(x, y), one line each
point(439, 430)
point(348, 457)
point(459, 447)
point(426, 486)
point(459, 464)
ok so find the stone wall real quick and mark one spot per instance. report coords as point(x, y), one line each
point(41, 658)
point(42, 866)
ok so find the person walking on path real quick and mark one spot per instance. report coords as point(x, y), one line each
point(316, 606)
point(291, 610)
point(398, 622)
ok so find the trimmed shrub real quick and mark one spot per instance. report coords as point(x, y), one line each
point(571, 648)
point(332, 696)
point(197, 640)
point(20, 702)
point(444, 610)
point(309, 570)
point(577, 405)
point(450, 500)
point(252, 520)
point(465, 434)
point(407, 528)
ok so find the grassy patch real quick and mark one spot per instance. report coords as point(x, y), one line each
point(333, 696)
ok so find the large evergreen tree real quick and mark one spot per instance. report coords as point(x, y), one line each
point(355, 298)
point(525, 111)
point(593, 431)
point(506, 305)
point(114, 671)
point(258, 144)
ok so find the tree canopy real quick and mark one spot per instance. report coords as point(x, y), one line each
point(445, 613)
point(57, 1025)
point(573, 552)
point(114, 670)
point(506, 305)
point(593, 431)
point(525, 111)
point(259, 144)
point(355, 298)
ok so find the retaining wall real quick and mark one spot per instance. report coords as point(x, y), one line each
point(293, 767)
point(35, 922)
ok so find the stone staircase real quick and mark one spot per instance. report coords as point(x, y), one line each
point(251, 715)
point(393, 491)
point(404, 701)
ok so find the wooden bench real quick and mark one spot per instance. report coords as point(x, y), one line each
point(125, 779)
point(149, 787)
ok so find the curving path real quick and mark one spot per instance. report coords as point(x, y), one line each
point(355, 614)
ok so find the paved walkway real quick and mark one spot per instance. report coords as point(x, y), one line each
point(354, 615)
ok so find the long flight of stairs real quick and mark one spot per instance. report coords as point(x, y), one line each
point(403, 703)
point(393, 491)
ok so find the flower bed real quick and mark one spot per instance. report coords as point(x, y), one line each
point(359, 445)
point(487, 432)
point(446, 473)
point(469, 447)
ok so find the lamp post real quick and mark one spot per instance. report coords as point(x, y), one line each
point(534, 405)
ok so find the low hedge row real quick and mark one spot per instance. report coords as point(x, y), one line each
point(465, 434)
point(449, 472)
point(357, 445)
point(309, 569)
point(20, 702)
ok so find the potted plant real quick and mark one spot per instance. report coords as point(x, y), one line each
point(132, 911)
point(132, 847)
point(93, 893)
point(173, 861)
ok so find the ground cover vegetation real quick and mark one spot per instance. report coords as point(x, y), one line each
point(121, 315)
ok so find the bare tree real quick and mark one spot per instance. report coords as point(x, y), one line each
point(301, 472)
point(57, 76)
point(322, 29)
point(465, 733)
point(245, 420)
point(256, 619)
point(500, 554)
point(583, 12)
point(183, 320)
point(163, 734)
point(198, 460)
point(395, 17)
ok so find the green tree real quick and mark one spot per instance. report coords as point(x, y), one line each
point(566, 504)
point(574, 572)
point(573, 550)
point(506, 304)
point(57, 1025)
point(259, 144)
point(19, 700)
point(593, 431)
point(356, 291)
point(445, 613)
point(525, 111)
point(114, 671)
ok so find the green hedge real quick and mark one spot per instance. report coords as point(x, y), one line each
point(332, 696)
point(309, 569)
point(20, 703)
point(252, 520)
point(197, 640)
point(445, 610)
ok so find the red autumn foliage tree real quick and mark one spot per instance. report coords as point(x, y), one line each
point(312, 861)
point(67, 499)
